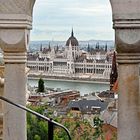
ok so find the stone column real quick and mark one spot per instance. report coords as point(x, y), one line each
point(1, 94)
point(15, 23)
point(126, 18)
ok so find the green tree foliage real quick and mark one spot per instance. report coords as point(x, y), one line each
point(36, 137)
point(37, 129)
point(114, 137)
point(98, 123)
point(41, 87)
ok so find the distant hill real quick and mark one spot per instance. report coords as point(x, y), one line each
point(35, 45)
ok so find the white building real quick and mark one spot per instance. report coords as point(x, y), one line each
point(70, 62)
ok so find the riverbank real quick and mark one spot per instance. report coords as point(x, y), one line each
point(83, 87)
point(64, 79)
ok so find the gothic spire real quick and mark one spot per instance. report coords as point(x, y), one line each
point(72, 33)
point(41, 48)
point(49, 46)
point(106, 47)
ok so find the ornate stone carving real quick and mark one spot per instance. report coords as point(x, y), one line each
point(14, 40)
point(15, 23)
point(16, 7)
point(126, 22)
point(16, 13)
point(127, 40)
point(125, 9)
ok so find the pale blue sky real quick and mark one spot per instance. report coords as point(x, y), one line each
point(54, 19)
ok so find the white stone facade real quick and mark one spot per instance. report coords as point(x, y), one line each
point(70, 62)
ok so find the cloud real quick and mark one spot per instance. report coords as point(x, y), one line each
point(90, 19)
point(89, 9)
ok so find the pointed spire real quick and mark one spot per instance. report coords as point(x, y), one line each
point(49, 46)
point(106, 47)
point(72, 34)
point(88, 48)
point(97, 46)
point(41, 48)
point(57, 48)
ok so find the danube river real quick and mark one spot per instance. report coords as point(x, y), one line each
point(83, 87)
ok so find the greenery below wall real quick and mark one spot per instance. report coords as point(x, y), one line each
point(37, 129)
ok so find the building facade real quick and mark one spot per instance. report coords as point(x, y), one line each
point(70, 61)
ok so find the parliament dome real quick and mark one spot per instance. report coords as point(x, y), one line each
point(73, 40)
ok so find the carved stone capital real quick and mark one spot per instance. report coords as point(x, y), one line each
point(16, 6)
point(14, 40)
point(126, 11)
point(13, 58)
point(127, 40)
point(15, 23)
point(16, 13)
point(126, 22)
point(128, 58)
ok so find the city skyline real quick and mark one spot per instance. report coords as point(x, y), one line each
point(53, 20)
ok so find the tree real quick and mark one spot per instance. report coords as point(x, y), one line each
point(41, 85)
point(98, 123)
point(37, 129)
point(36, 137)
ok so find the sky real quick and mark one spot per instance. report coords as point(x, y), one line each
point(54, 20)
